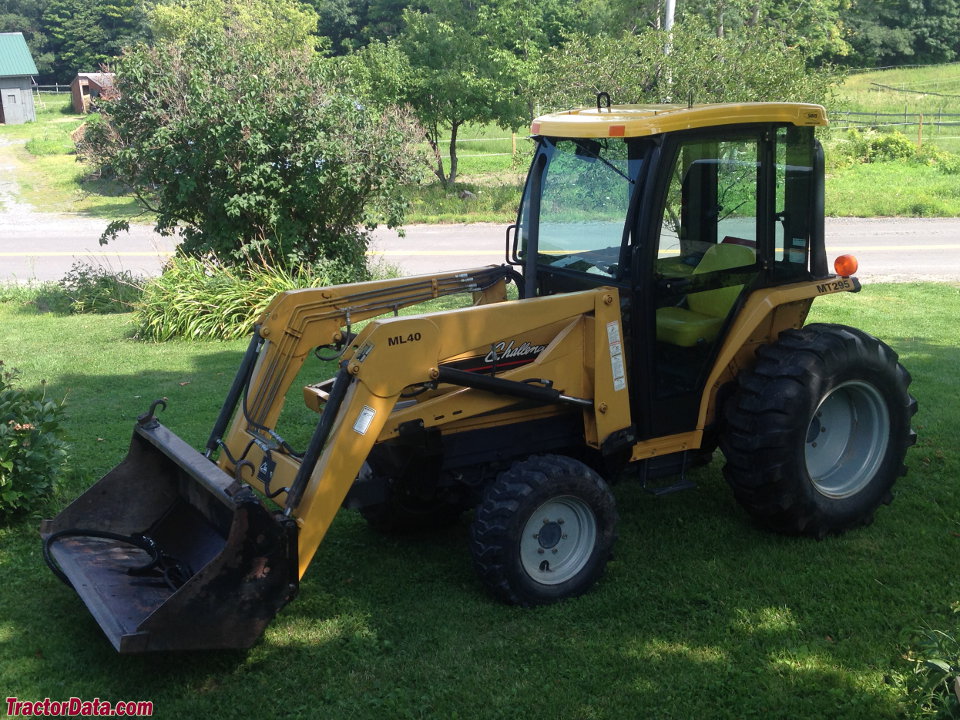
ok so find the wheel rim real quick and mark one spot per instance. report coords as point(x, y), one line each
point(847, 439)
point(558, 540)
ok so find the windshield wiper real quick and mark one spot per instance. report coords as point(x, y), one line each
point(588, 151)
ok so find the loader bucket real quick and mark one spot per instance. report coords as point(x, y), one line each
point(170, 553)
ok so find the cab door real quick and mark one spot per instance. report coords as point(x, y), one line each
point(707, 244)
point(726, 211)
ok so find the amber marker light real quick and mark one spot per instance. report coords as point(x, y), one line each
point(845, 265)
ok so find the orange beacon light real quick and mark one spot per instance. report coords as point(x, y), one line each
point(845, 265)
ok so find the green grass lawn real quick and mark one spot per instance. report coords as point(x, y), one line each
point(933, 91)
point(49, 174)
point(700, 615)
point(887, 189)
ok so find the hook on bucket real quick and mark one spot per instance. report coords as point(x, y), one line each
point(147, 420)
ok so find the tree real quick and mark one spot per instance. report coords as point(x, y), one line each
point(457, 64)
point(26, 16)
point(252, 152)
point(453, 80)
point(276, 24)
point(815, 26)
point(614, 17)
point(85, 34)
point(752, 65)
point(892, 32)
point(936, 28)
point(340, 21)
point(351, 24)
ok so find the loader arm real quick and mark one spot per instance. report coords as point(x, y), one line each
point(583, 367)
point(298, 321)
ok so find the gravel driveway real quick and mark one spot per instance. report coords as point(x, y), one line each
point(38, 246)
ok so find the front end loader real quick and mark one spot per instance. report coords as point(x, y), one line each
point(664, 258)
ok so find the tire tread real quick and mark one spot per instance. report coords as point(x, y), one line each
point(765, 463)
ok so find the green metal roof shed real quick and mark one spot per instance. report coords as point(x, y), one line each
point(16, 80)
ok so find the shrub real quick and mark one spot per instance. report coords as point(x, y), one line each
point(96, 289)
point(204, 298)
point(935, 686)
point(854, 147)
point(869, 145)
point(891, 146)
point(946, 162)
point(32, 451)
point(244, 150)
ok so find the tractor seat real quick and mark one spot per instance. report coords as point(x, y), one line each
point(701, 320)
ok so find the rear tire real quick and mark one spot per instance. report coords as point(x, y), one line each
point(815, 436)
point(544, 531)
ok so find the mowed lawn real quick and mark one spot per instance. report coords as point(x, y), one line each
point(700, 614)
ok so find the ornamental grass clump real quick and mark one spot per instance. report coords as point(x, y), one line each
point(206, 299)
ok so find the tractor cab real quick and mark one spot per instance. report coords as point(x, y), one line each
point(686, 210)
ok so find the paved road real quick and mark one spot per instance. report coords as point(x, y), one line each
point(36, 246)
point(43, 247)
point(891, 249)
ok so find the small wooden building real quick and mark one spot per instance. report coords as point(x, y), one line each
point(16, 80)
point(87, 87)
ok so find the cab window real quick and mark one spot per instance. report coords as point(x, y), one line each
point(577, 201)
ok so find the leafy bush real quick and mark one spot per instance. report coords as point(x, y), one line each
point(246, 150)
point(204, 298)
point(86, 288)
point(97, 289)
point(949, 164)
point(32, 451)
point(891, 146)
point(855, 146)
point(852, 147)
point(946, 162)
point(936, 666)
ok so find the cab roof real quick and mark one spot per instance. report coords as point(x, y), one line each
point(643, 120)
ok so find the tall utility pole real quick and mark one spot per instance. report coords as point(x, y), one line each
point(668, 10)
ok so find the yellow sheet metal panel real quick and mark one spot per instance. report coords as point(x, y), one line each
point(667, 445)
point(643, 120)
point(751, 329)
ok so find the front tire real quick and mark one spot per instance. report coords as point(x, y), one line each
point(815, 435)
point(544, 531)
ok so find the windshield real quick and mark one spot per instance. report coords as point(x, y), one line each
point(578, 209)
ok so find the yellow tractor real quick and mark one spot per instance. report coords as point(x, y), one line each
point(665, 259)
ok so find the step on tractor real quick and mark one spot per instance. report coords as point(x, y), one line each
point(664, 261)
